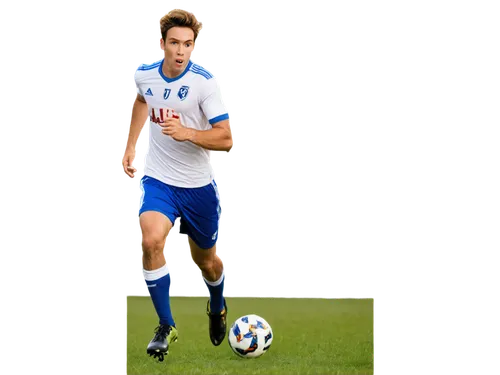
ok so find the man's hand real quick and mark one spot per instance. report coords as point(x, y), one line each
point(128, 158)
point(174, 128)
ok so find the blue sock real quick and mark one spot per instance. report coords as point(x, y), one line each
point(216, 288)
point(158, 282)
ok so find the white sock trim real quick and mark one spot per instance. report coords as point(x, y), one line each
point(155, 274)
point(215, 283)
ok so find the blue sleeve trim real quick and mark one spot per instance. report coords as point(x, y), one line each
point(223, 117)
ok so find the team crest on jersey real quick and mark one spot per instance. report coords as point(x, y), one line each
point(183, 92)
point(166, 94)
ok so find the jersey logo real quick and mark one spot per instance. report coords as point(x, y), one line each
point(183, 92)
point(149, 92)
point(166, 94)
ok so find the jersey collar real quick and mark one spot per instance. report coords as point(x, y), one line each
point(169, 80)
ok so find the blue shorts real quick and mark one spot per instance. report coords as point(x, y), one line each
point(198, 208)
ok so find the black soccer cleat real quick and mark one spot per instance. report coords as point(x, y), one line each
point(164, 336)
point(217, 324)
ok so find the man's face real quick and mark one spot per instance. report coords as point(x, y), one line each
point(178, 46)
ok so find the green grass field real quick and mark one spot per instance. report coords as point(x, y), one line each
point(311, 336)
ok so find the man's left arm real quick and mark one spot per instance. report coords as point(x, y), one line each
point(219, 137)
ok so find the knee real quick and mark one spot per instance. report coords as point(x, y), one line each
point(152, 245)
point(205, 265)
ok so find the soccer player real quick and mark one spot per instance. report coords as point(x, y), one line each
point(187, 119)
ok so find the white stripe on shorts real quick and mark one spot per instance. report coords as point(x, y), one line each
point(219, 208)
point(140, 194)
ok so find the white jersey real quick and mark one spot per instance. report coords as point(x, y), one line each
point(195, 98)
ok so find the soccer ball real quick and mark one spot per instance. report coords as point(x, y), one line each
point(250, 336)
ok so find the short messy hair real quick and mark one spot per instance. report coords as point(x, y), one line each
point(182, 18)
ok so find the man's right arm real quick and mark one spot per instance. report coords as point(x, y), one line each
point(138, 121)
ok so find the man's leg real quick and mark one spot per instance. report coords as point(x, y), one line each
point(211, 267)
point(155, 227)
point(200, 212)
point(212, 271)
point(156, 214)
